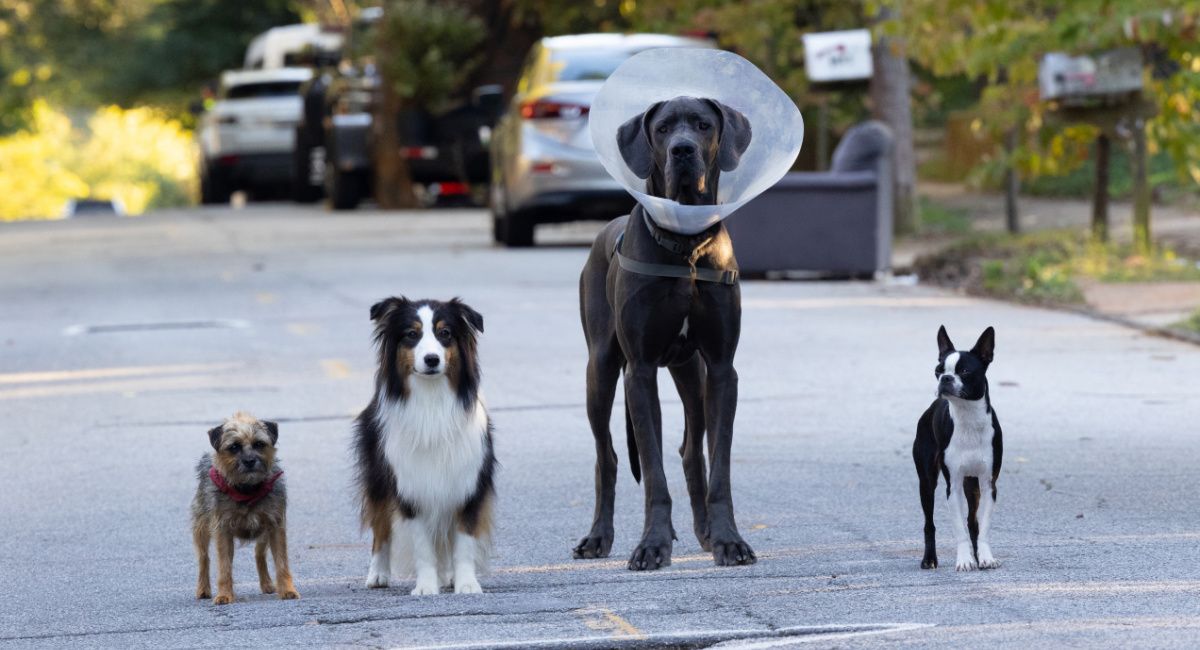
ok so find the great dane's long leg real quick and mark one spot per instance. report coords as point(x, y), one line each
point(641, 396)
point(603, 373)
point(718, 327)
point(689, 381)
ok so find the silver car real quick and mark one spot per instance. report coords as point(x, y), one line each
point(544, 169)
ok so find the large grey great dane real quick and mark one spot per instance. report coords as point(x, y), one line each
point(651, 298)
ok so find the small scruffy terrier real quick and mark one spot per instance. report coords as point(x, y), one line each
point(241, 495)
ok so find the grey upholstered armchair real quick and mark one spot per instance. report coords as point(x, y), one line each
point(835, 223)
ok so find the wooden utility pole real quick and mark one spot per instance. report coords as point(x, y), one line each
point(891, 101)
point(1100, 191)
point(1012, 184)
point(1141, 188)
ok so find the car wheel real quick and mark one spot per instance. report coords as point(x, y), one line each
point(214, 187)
point(345, 189)
point(518, 229)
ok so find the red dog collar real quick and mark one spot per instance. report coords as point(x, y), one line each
point(243, 497)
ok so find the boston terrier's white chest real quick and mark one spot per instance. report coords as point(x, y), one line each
point(970, 450)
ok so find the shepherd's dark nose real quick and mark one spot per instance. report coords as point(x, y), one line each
point(683, 150)
point(432, 360)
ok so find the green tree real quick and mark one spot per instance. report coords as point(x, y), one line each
point(1001, 42)
point(425, 50)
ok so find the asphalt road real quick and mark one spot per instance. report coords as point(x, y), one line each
point(124, 340)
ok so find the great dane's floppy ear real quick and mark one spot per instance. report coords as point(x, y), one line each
point(386, 306)
point(985, 346)
point(633, 139)
point(945, 345)
point(735, 136)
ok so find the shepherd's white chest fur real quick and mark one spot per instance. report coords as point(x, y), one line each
point(970, 450)
point(435, 447)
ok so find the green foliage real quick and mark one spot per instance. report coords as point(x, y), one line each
point(1045, 267)
point(137, 156)
point(94, 52)
point(1002, 41)
point(426, 49)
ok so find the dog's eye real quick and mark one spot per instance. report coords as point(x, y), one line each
point(703, 126)
point(258, 444)
point(444, 333)
point(412, 335)
point(662, 129)
point(235, 448)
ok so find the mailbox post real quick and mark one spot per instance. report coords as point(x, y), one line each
point(1104, 90)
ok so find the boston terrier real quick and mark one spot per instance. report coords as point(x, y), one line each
point(959, 436)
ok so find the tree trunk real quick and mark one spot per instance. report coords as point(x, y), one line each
point(1100, 191)
point(892, 104)
point(1012, 184)
point(1141, 189)
point(393, 182)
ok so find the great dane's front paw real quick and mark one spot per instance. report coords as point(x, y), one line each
point(732, 551)
point(650, 555)
point(593, 546)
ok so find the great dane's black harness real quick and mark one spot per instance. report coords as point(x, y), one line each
point(690, 247)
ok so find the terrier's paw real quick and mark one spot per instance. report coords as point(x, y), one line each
point(203, 593)
point(289, 594)
point(267, 588)
point(223, 599)
point(377, 579)
point(468, 587)
point(426, 588)
point(929, 563)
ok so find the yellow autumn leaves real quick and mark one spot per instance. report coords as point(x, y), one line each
point(136, 156)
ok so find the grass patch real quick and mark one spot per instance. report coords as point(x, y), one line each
point(1046, 267)
point(1191, 323)
point(936, 219)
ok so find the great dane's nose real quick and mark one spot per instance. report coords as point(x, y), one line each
point(432, 360)
point(683, 149)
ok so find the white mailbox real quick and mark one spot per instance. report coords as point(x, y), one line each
point(838, 56)
point(1106, 78)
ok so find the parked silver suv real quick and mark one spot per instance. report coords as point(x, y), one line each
point(544, 169)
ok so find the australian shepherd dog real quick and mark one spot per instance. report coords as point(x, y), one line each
point(424, 448)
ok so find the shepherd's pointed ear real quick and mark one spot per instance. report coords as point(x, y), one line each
point(386, 306)
point(985, 346)
point(735, 136)
point(214, 436)
point(272, 430)
point(945, 345)
point(633, 140)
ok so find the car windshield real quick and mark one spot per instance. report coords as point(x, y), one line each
point(587, 65)
point(263, 89)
